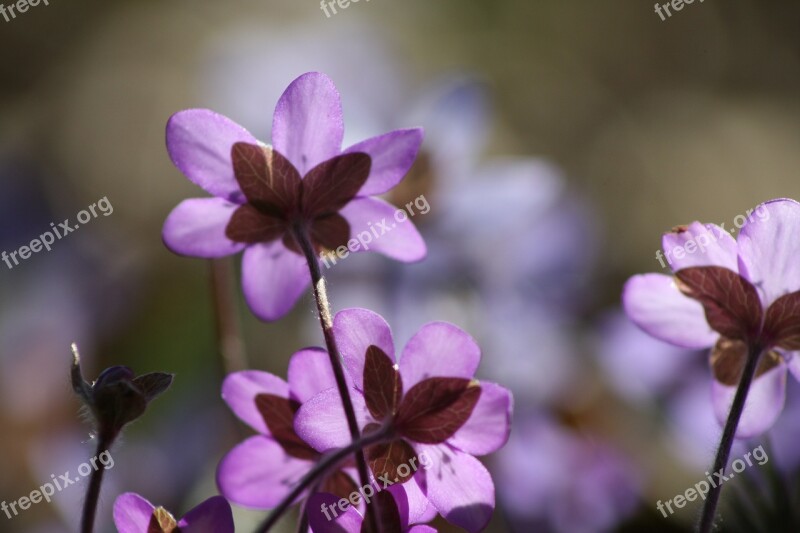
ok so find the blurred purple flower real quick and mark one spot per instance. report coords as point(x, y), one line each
point(263, 194)
point(134, 514)
point(429, 402)
point(731, 295)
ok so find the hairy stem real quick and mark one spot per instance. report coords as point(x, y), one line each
point(93, 491)
point(726, 442)
point(229, 337)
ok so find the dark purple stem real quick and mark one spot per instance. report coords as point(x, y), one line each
point(93, 491)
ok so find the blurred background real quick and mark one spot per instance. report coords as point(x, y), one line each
point(562, 139)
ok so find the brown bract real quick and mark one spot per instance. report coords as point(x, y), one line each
point(162, 522)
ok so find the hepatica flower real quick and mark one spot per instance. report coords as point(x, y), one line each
point(134, 514)
point(269, 198)
point(426, 403)
point(736, 296)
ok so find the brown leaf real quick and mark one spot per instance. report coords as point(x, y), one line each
point(730, 302)
point(278, 414)
point(330, 185)
point(162, 522)
point(383, 386)
point(267, 179)
point(388, 459)
point(330, 232)
point(728, 358)
point(384, 509)
point(339, 484)
point(435, 408)
point(248, 224)
point(782, 323)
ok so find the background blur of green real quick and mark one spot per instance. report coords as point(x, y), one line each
point(657, 123)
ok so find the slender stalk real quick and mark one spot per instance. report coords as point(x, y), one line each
point(229, 336)
point(93, 491)
point(322, 467)
point(726, 442)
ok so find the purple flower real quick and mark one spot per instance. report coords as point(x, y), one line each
point(134, 514)
point(735, 296)
point(429, 404)
point(259, 472)
point(304, 183)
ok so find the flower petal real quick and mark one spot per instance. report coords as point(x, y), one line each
point(488, 428)
point(769, 245)
point(321, 421)
point(325, 517)
point(310, 373)
point(392, 155)
point(273, 278)
point(763, 405)
point(700, 245)
point(239, 390)
point(355, 331)
point(199, 143)
point(460, 487)
point(375, 225)
point(308, 126)
point(196, 228)
point(132, 513)
point(654, 303)
point(214, 514)
point(439, 349)
point(258, 474)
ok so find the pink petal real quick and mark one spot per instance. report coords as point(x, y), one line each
point(763, 405)
point(793, 362)
point(273, 279)
point(700, 245)
point(376, 226)
point(196, 227)
point(355, 331)
point(258, 474)
point(489, 425)
point(439, 349)
point(324, 516)
point(654, 303)
point(310, 373)
point(214, 514)
point(420, 509)
point(392, 156)
point(307, 126)
point(199, 143)
point(769, 245)
point(132, 513)
point(239, 390)
point(321, 421)
point(460, 487)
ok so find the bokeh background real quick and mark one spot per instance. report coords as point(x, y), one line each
point(562, 138)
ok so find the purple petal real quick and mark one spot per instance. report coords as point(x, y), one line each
point(769, 245)
point(763, 405)
point(214, 514)
point(416, 504)
point(460, 487)
point(310, 373)
point(422, 529)
point(257, 473)
point(374, 223)
point(355, 331)
point(307, 126)
point(793, 362)
point(239, 390)
point(439, 349)
point(392, 155)
point(199, 143)
point(321, 518)
point(321, 421)
point(132, 513)
point(489, 425)
point(196, 227)
point(654, 303)
point(700, 245)
point(273, 278)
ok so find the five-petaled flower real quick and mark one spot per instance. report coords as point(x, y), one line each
point(739, 296)
point(134, 514)
point(426, 402)
point(304, 187)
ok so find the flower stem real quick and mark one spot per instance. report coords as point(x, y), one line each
point(323, 466)
point(326, 321)
point(229, 337)
point(728, 433)
point(93, 491)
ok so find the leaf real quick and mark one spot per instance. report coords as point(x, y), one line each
point(249, 225)
point(782, 323)
point(329, 186)
point(384, 509)
point(268, 180)
point(388, 459)
point(278, 414)
point(730, 302)
point(383, 386)
point(339, 484)
point(728, 358)
point(435, 408)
